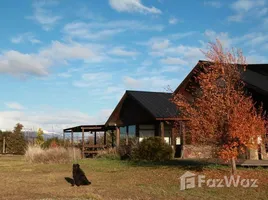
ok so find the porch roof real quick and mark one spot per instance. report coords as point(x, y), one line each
point(88, 128)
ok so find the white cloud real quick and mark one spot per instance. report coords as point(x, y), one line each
point(59, 51)
point(253, 39)
point(255, 58)
point(64, 75)
point(83, 30)
point(247, 9)
point(171, 68)
point(236, 18)
point(146, 63)
point(120, 51)
point(106, 29)
point(94, 80)
point(131, 82)
point(173, 20)
point(58, 119)
point(215, 4)
point(222, 36)
point(152, 83)
point(25, 37)
point(183, 54)
point(38, 64)
point(132, 6)
point(43, 15)
point(158, 45)
point(165, 40)
point(14, 105)
point(246, 5)
point(19, 64)
point(173, 61)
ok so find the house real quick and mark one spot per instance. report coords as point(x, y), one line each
point(145, 114)
point(256, 84)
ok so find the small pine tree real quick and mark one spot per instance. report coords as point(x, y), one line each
point(40, 137)
point(16, 142)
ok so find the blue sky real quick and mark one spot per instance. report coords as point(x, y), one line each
point(65, 63)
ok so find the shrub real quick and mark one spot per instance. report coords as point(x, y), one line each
point(126, 150)
point(152, 149)
point(35, 154)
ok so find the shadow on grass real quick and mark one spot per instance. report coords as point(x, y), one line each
point(69, 180)
point(185, 164)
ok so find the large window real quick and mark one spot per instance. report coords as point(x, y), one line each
point(132, 131)
point(147, 131)
point(123, 132)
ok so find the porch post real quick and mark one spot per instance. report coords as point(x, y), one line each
point(162, 127)
point(117, 137)
point(63, 135)
point(173, 138)
point(95, 137)
point(112, 133)
point(104, 138)
point(72, 138)
point(127, 136)
point(83, 143)
point(182, 137)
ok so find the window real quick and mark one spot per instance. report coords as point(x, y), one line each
point(132, 131)
point(123, 132)
point(147, 130)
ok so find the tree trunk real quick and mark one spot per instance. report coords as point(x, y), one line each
point(233, 163)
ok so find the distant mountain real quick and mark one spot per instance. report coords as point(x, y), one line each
point(32, 134)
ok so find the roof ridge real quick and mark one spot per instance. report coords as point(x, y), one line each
point(148, 91)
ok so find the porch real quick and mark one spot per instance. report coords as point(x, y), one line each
point(96, 140)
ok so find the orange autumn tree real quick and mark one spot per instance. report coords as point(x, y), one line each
point(221, 113)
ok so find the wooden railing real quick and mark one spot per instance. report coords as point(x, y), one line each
point(93, 149)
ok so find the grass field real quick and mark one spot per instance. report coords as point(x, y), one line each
point(113, 179)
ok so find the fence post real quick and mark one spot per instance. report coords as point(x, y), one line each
point(4, 145)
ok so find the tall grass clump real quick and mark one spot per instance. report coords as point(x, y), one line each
point(35, 154)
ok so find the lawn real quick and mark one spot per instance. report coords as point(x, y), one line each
point(114, 179)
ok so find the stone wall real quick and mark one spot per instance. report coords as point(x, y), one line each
point(197, 151)
point(205, 151)
point(264, 154)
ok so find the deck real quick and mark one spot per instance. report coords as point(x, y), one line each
point(253, 163)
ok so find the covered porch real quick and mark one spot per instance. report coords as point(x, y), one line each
point(96, 140)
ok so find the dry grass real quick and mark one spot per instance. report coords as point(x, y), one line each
point(109, 153)
point(35, 154)
point(114, 179)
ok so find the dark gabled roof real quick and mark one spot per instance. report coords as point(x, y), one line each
point(255, 76)
point(151, 105)
point(157, 103)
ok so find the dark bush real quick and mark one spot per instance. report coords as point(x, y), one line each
point(152, 149)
